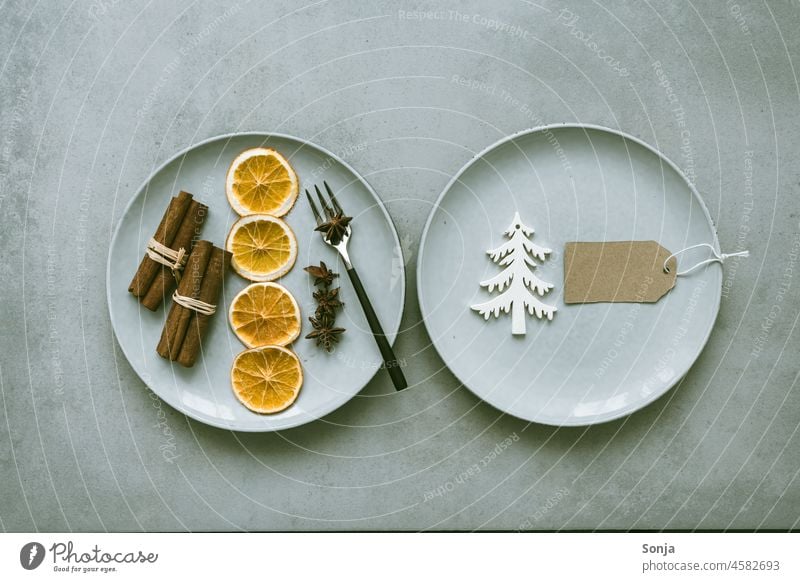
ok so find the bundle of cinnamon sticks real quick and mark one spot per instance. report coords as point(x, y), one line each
point(179, 229)
point(201, 282)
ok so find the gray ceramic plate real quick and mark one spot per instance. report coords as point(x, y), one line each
point(593, 362)
point(204, 392)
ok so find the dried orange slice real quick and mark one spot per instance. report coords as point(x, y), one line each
point(266, 379)
point(265, 314)
point(263, 247)
point(261, 181)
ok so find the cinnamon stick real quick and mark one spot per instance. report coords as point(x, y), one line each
point(165, 234)
point(209, 293)
point(185, 237)
point(172, 335)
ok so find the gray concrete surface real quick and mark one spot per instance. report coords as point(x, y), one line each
point(94, 94)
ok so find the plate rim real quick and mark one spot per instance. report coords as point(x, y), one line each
point(597, 419)
point(391, 334)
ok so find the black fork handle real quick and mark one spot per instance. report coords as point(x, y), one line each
point(389, 360)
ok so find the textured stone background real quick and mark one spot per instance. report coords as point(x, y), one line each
point(94, 94)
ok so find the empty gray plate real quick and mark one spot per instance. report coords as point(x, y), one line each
point(203, 392)
point(593, 362)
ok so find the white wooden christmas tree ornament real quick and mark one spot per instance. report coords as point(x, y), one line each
point(515, 255)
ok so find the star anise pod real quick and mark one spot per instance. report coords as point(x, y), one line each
point(327, 302)
point(335, 228)
point(320, 321)
point(325, 335)
point(322, 275)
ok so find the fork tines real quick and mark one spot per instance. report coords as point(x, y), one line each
point(314, 208)
point(330, 209)
point(327, 209)
point(333, 198)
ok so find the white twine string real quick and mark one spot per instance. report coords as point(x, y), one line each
point(717, 258)
point(194, 304)
point(168, 257)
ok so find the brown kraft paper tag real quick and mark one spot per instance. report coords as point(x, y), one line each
point(617, 272)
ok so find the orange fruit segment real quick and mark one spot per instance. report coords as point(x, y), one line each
point(266, 379)
point(261, 181)
point(265, 314)
point(263, 247)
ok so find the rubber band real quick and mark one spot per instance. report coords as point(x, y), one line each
point(717, 258)
point(194, 304)
point(168, 257)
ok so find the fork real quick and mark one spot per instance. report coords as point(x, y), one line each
point(331, 210)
